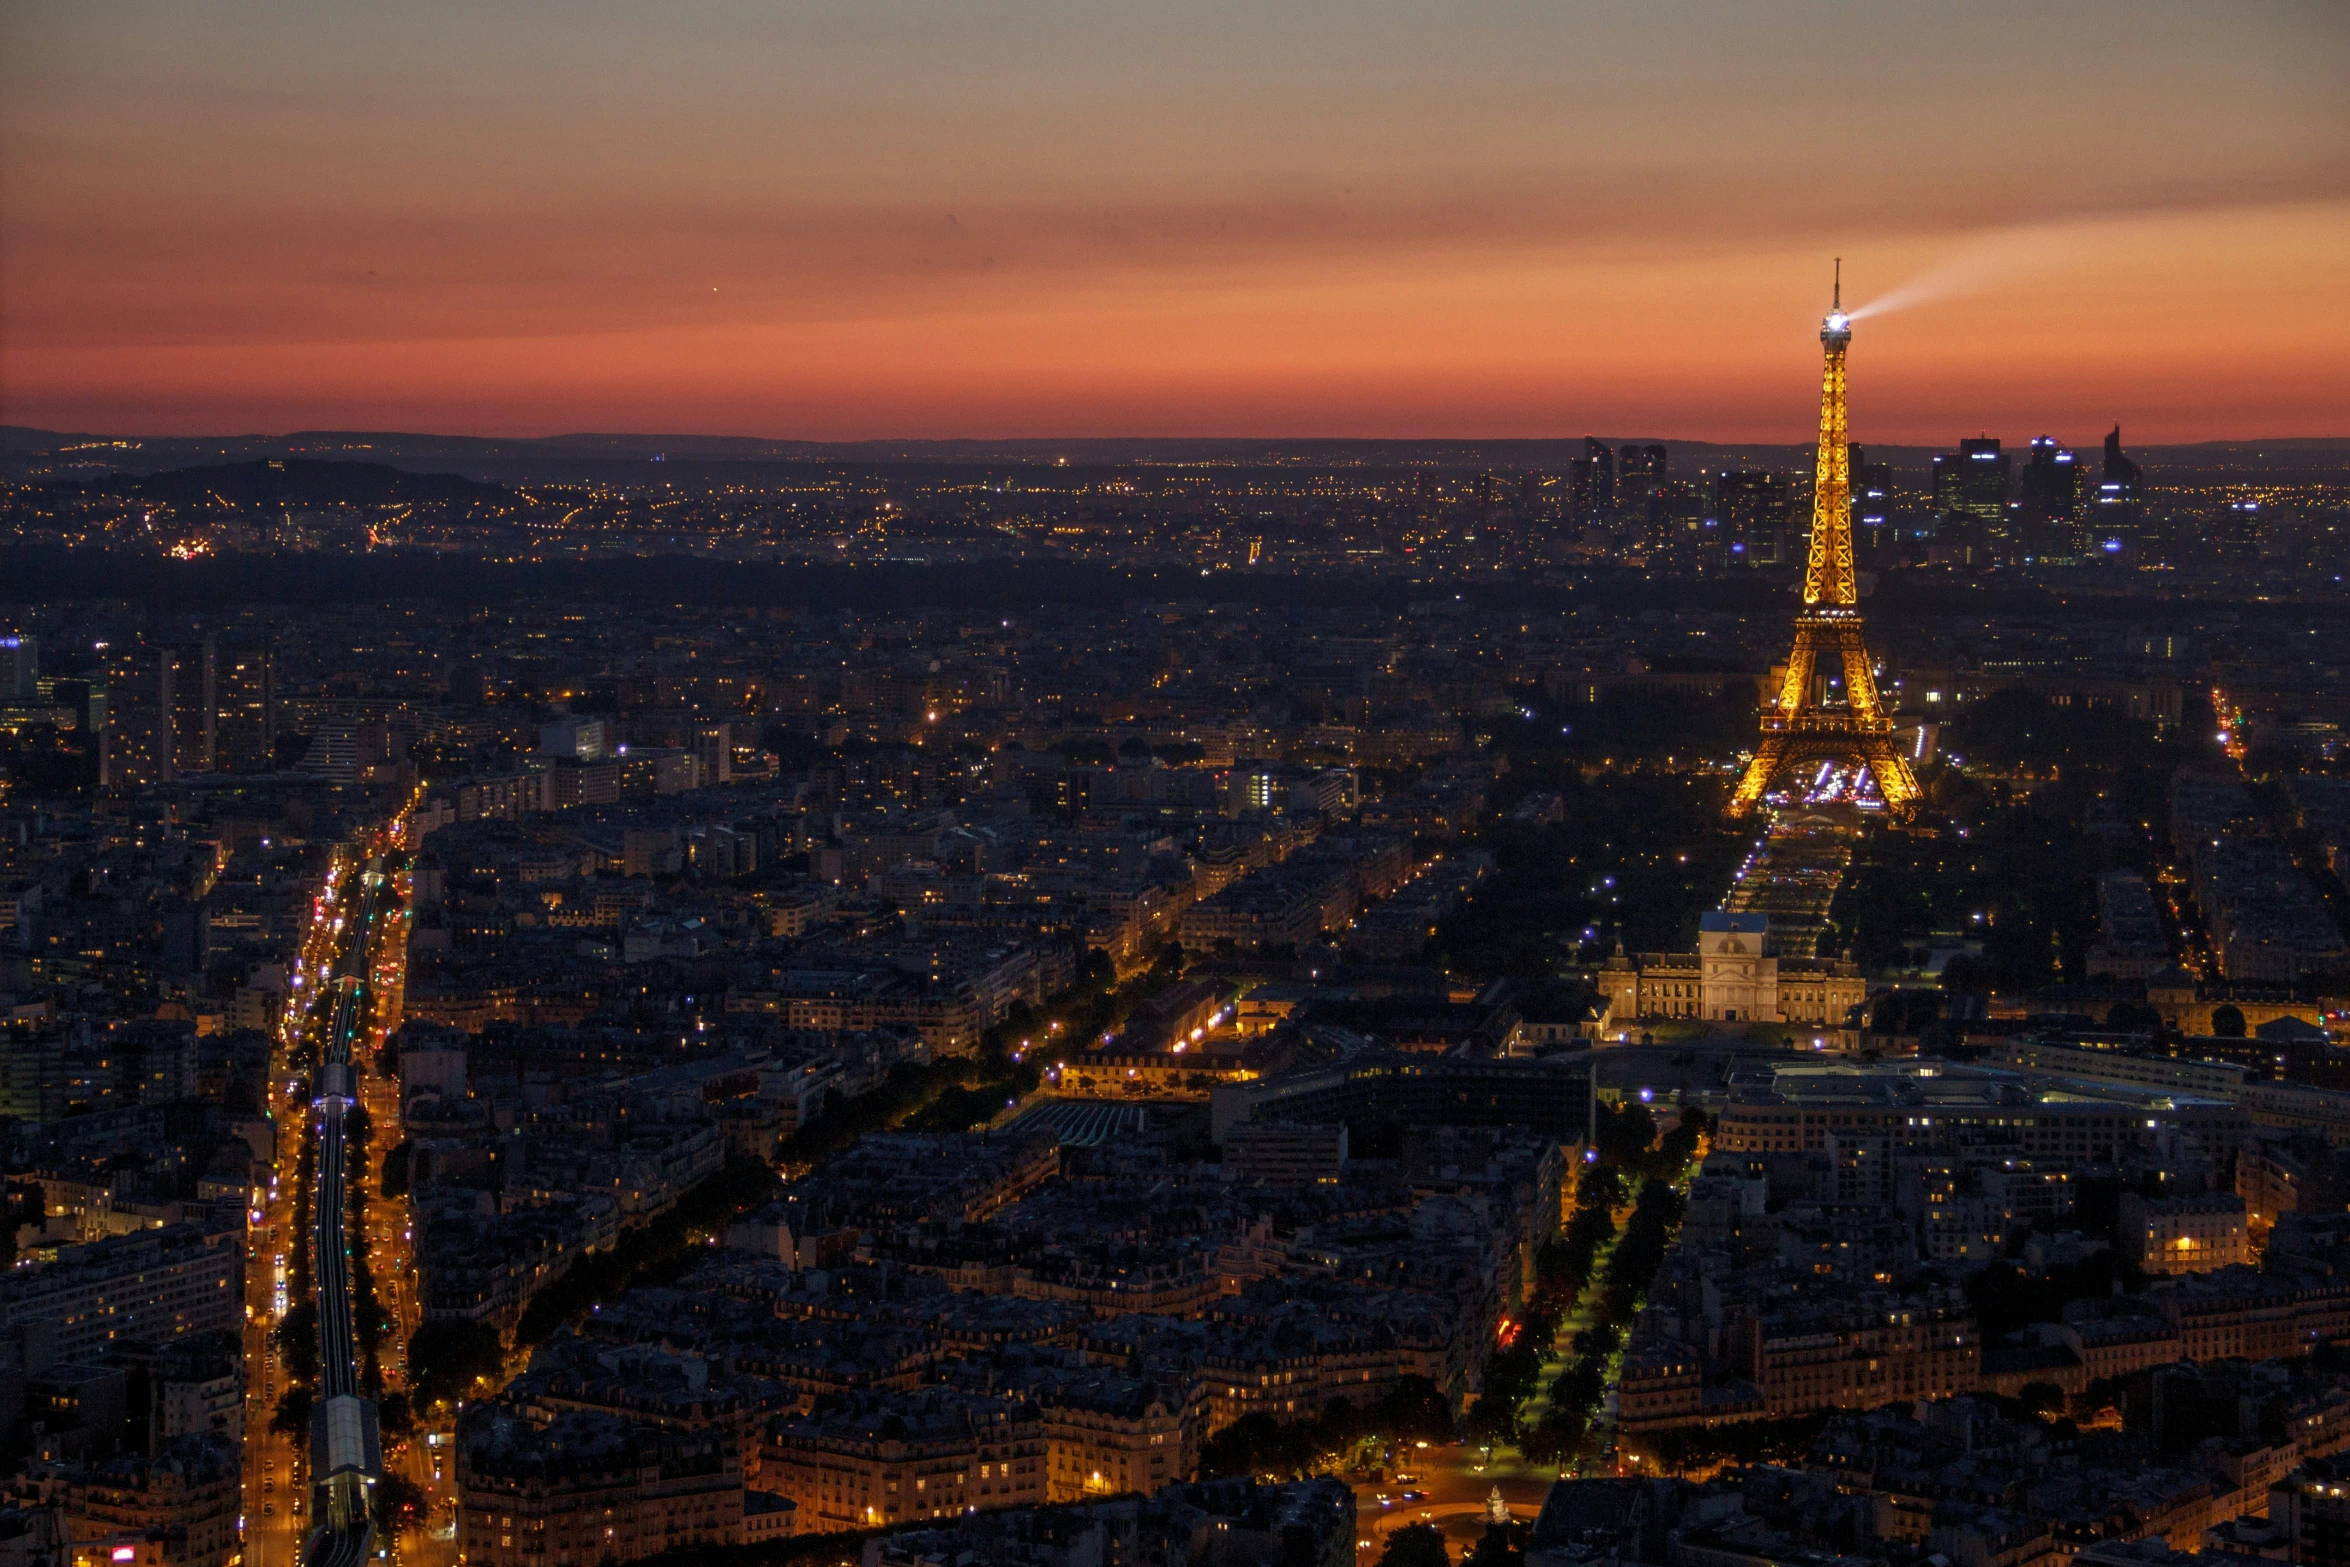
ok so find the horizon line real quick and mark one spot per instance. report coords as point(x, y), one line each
point(11, 430)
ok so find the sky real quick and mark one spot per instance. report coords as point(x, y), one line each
point(1261, 218)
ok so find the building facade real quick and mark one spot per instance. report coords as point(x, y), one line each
point(932, 1454)
point(1736, 975)
point(587, 1488)
point(150, 1286)
point(2184, 1234)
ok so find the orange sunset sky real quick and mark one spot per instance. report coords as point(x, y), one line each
point(1111, 217)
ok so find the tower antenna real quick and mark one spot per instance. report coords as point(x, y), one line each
point(1838, 302)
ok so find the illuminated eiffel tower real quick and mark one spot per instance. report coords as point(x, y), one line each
point(1803, 724)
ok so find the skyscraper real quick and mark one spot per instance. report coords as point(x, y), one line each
point(139, 704)
point(1640, 470)
point(1640, 484)
point(1972, 483)
point(20, 668)
point(244, 735)
point(1872, 500)
point(2235, 533)
point(2049, 488)
point(1753, 511)
point(194, 703)
point(2119, 500)
point(1591, 480)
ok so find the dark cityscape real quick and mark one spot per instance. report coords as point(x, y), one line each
point(1338, 996)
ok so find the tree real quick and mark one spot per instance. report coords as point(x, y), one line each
point(395, 1170)
point(1677, 1147)
point(1510, 1374)
point(1906, 1011)
point(444, 1358)
point(1415, 1545)
point(1415, 1409)
point(1550, 1439)
point(2227, 1021)
point(1579, 1389)
point(296, 1334)
point(1502, 1546)
point(1492, 1418)
point(2042, 1398)
point(1600, 1187)
point(398, 1503)
point(1254, 1444)
point(1623, 1133)
point(293, 1411)
point(1342, 1425)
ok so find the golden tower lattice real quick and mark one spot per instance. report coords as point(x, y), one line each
point(1805, 723)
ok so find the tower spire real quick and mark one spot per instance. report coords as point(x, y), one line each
point(1837, 303)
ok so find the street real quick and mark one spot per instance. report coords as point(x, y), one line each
point(1455, 1483)
point(353, 952)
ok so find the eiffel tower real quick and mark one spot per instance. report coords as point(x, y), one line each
point(1802, 724)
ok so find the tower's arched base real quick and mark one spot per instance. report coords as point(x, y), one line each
point(1782, 750)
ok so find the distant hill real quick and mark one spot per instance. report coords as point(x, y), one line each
point(44, 453)
point(274, 484)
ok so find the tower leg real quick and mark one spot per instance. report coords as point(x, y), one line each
point(1795, 687)
point(1860, 682)
point(1769, 756)
point(1890, 768)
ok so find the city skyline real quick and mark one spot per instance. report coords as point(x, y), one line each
point(897, 222)
point(1524, 785)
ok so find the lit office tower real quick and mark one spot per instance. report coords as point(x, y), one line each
point(139, 705)
point(2048, 498)
point(1752, 508)
point(713, 744)
point(1640, 470)
point(1591, 480)
point(244, 735)
point(1872, 499)
point(194, 703)
point(20, 668)
point(1640, 481)
point(2118, 491)
point(2049, 485)
point(1972, 483)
